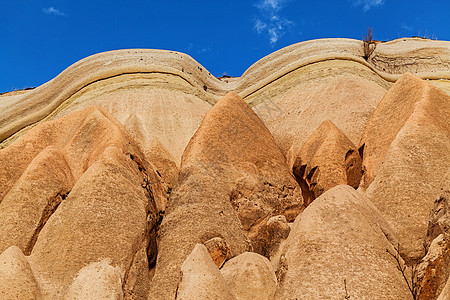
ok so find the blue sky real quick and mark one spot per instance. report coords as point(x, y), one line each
point(40, 38)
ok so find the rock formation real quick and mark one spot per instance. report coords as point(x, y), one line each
point(96, 281)
point(327, 158)
point(347, 236)
point(233, 178)
point(406, 148)
point(16, 277)
point(200, 278)
point(134, 167)
point(250, 276)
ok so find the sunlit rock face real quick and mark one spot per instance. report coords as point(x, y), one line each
point(320, 173)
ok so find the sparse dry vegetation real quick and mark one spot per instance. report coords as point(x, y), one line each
point(368, 43)
point(412, 283)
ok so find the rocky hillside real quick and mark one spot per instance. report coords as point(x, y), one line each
point(320, 173)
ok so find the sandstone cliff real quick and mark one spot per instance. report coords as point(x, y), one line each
point(317, 174)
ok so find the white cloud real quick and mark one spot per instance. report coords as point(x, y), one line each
point(270, 22)
point(53, 11)
point(203, 50)
point(406, 27)
point(260, 26)
point(275, 5)
point(368, 4)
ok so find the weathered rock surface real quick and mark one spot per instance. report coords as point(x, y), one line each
point(407, 149)
point(87, 160)
point(232, 159)
point(327, 158)
point(250, 276)
point(97, 280)
point(33, 198)
point(445, 294)
point(219, 250)
point(439, 219)
point(16, 276)
point(39, 171)
point(434, 270)
point(293, 108)
point(270, 235)
point(111, 209)
point(106, 215)
point(340, 236)
point(201, 279)
point(233, 141)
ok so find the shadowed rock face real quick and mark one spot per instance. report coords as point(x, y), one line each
point(114, 174)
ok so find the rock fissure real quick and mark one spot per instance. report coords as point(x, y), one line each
point(154, 217)
point(49, 209)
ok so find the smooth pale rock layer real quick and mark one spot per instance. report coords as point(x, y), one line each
point(327, 158)
point(411, 55)
point(428, 58)
point(97, 280)
point(201, 279)
point(415, 117)
point(340, 236)
point(250, 276)
point(233, 178)
point(16, 276)
point(40, 102)
point(294, 106)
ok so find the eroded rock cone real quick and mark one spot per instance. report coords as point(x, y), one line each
point(110, 212)
point(294, 106)
point(201, 279)
point(340, 236)
point(233, 178)
point(16, 276)
point(97, 280)
point(327, 158)
point(250, 276)
point(407, 149)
